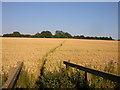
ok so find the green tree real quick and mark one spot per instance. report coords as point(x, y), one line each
point(110, 38)
point(37, 35)
point(16, 34)
point(46, 34)
point(68, 35)
point(61, 34)
point(77, 37)
point(81, 37)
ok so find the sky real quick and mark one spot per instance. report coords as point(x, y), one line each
point(77, 18)
point(0, 18)
point(60, 0)
point(119, 21)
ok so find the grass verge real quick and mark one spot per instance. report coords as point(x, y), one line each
point(23, 80)
point(99, 82)
point(63, 78)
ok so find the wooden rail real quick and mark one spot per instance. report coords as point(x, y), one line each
point(10, 83)
point(111, 77)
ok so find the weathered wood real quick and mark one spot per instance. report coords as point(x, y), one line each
point(12, 78)
point(85, 76)
point(111, 77)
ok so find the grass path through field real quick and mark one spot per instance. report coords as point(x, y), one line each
point(44, 58)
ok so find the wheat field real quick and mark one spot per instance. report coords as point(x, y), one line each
point(95, 54)
point(28, 50)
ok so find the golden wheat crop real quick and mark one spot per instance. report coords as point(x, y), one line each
point(28, 50)
point(94, 54)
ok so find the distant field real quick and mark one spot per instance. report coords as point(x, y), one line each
point(96, 54)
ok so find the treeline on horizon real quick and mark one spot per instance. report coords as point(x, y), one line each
point(58, 34)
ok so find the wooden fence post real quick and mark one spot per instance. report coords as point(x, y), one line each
point(66, 66)
point(86, 77)
point(112, 77)
point(10, 83)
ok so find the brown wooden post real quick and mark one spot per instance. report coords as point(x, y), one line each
point(66, 66)
point(112, 77)
point(85, 76)
point(13, 77)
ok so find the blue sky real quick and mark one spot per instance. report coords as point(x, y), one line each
point(77, 18)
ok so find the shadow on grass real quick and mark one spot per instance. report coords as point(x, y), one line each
point(63, 79)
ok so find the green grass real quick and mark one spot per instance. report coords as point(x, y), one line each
point(99, 82)
point(74, 78)
point(23, 80)
point(26, 80)
point(63, 78)
point(4, 78)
